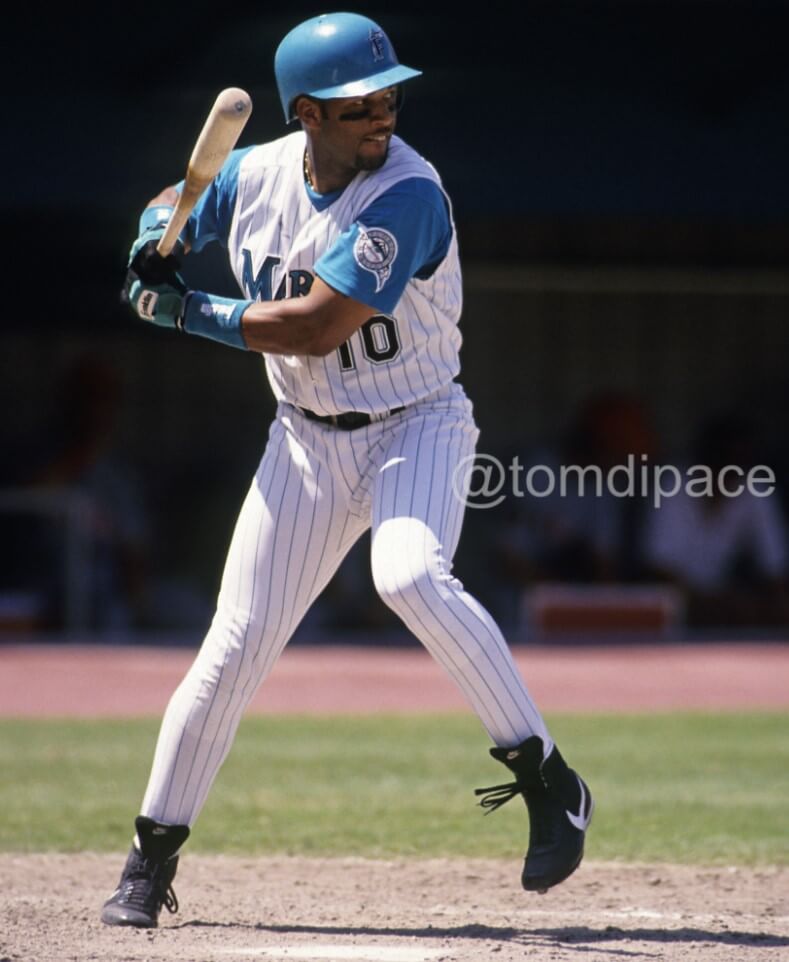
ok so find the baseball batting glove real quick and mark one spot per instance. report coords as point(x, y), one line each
point(153, 222)
point(154, 289)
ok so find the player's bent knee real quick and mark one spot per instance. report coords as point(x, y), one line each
point(230, 656)
point(409, 571)
point(404, 592)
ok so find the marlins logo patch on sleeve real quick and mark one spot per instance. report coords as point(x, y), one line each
point(375, 250)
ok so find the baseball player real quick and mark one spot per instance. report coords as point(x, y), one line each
point(342, 241)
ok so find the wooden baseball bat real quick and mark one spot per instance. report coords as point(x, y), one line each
point(218, 137)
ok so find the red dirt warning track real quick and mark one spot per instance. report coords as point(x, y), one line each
point(99, 681)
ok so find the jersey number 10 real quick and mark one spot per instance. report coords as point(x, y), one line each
point(380, 342)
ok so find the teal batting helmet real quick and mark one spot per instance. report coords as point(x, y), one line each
point(336, 55)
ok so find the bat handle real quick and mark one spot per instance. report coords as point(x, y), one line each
point(192, 189)
point(171, 233)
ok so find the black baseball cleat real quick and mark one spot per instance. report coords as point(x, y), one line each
point(560, 809)
point(146, 881)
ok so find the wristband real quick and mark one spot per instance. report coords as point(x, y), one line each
point(218, 318)
point(152, 218)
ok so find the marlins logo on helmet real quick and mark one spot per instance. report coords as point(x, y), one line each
point(377, 43)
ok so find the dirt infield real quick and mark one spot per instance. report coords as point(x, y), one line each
point(96, 681)
point(437, 910)
point(432, 910)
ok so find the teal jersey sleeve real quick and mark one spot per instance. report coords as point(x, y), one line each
point(213, 212)
point(404, 233)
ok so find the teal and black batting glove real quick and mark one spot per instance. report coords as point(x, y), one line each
point(153, 222)
point(161, 304)
point(154, 289)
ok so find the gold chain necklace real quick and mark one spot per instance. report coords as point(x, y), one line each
point(307, 174)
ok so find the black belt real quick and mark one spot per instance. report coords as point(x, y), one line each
point(349, 421)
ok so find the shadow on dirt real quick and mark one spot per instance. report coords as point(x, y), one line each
point(566, 936)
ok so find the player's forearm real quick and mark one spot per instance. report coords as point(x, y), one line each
point(284, 327)
point(314, 325)
point(271, 327)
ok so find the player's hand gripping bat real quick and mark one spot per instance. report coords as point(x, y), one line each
point(218, 137)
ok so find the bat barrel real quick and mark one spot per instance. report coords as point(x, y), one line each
point(218, 137)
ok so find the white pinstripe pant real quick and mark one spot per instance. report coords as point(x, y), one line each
point(317, 489)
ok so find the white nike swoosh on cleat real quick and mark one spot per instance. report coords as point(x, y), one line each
point(580, 821)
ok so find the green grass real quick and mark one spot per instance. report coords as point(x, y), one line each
point(699, 788)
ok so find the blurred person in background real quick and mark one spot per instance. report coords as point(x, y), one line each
point(729, 555)
point(578, 535)
point(81, 466)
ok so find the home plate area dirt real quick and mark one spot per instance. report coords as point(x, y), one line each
point(409, 910)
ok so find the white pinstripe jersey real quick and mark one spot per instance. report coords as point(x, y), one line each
point(276, 237)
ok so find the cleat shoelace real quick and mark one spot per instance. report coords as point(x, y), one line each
point(146, 890)
point(497, 795)
point(542, 818)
